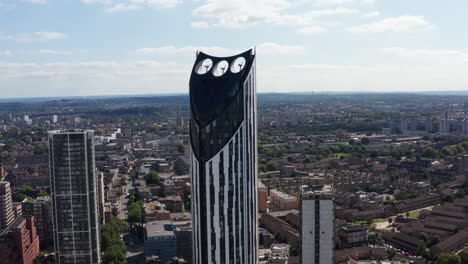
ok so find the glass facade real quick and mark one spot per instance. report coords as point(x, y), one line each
point(73, 189)
point(224, 175)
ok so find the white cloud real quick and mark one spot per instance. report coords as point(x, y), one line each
point(35, 1)
point(278, 49)
point(93, 78)
point(55, 52)
point(200, 24)
point(158, 3)
point(106, 2)
point(331, 12)
point(312, 30)
point(34, 37)
point(437, 54)
point(244, 13)
point(240, 13)
point(184, 51)
point(267, 48)
point(342, 2)
point(121, 7)
point(5, 53)
point(372, 14)
point(395, 24)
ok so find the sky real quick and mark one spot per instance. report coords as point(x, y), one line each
point(129, 47)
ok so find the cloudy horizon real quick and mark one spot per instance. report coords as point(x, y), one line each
point(52, 48)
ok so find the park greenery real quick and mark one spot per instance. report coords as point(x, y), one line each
point(113, 248)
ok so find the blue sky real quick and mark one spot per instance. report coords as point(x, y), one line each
point(103, 47)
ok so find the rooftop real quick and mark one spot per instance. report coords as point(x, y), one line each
point(159, 228)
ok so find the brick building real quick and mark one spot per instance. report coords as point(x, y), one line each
point(19, 243)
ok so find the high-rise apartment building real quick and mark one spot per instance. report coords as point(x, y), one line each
point(404, 125)
point(6, 211)
point(73, 185)
point(465, 126)
point(318, 233)
point(444, 126)
point(428, 124)
point(223, 137)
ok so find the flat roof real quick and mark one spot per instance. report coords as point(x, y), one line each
point(159, 228)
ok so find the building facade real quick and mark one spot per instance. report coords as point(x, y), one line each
point(317, 229)
point(41, 209)
point(6, 211)
point(73, 185)
point(19, 243)
point(160, 240)
point(223, 137)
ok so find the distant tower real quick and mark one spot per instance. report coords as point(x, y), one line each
point(6, 211)
point(74, 196)
point(465, 126)
point(293, 117)
point(180, 121)
point(428, 124)
point(277, 119)
point(54, 119)
point(444, 126)
point(404, 125)
point(223, 137)
point(318, 228)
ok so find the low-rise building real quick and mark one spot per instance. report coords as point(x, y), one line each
point(454, 242)
point(279, 254)
point(283, 201)
point(354, 235)
point(160, 240)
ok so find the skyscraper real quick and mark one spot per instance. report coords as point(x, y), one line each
point(73, 187)
point(6, 212)
point(223, 137)
point(318, 233)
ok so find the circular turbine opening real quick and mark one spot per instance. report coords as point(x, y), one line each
point(220, 68)
point(238, 65)
point(204, 66)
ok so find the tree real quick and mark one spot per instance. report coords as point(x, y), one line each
point(446, 258)
point(181, 148)
point(123, 180)
point(114, 254)
point(152, 178)
point(43, 193)
point(113, 248)
point(365, 140)
point(424, 237)
point(27, 189)
point(40, 149)
point(429, 152)
point(19, 197)
point(434, 240)
point(270, 166)
point(135, 212)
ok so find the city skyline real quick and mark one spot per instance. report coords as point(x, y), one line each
point(96, 47)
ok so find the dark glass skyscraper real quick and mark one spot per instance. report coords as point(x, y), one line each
point(73, 186)
point(223, 136)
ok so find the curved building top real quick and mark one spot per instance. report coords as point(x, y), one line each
point(215, 82)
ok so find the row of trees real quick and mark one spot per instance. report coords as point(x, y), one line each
point(27, 190)
point(113, 248)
